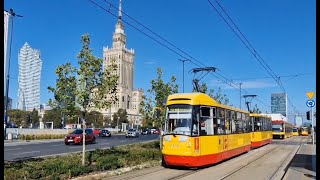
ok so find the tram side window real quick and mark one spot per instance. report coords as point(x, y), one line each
point(257, 124)
point(248, 122)
point(228, 122)
point(244, 122)
point(233, 123)
point(220, 121)
point(206, 121)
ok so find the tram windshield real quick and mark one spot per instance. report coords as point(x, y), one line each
point(277, 128)
point(179, 120)
point(294, 130)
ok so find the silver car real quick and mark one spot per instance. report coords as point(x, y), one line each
point(132, 133)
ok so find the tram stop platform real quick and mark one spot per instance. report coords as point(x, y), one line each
point(303, 164)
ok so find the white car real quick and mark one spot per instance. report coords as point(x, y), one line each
point(132, 133)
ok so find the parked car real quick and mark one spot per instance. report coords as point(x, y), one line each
point(105, 133)
point(146, 131)
point(96, 131)
point(76, 137)
point(132, 133)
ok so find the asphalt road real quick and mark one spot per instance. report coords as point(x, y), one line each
point(18, 151)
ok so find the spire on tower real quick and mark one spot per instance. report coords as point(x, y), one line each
point(120, 10)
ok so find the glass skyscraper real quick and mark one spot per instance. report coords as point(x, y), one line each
point(279, 103)
point(30, 65)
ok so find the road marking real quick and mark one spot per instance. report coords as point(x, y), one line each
point(28, 152)
point(12, 149)
point(122, 141)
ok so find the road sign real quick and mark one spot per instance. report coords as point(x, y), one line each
point(310, 95)
point(310, 103)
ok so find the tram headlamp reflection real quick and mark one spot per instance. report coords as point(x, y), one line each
point(183, 138)
point(167, 138)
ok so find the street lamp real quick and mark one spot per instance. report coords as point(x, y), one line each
point(183, 60)
point(12, 14)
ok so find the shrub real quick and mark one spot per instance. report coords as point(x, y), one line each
point(108, 162)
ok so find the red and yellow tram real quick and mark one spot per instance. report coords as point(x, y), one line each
point(281, 129)
point(200, 131)
point(261, 130)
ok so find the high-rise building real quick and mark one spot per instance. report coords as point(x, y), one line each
point(30, 65)
point(6, 21)
point(128, 97)
point(279, 103)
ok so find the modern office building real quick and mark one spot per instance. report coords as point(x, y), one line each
point(30, 65)
point(279, 103)
point(128, 97)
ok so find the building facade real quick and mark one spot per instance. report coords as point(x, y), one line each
point(128, 97)
point(30, 66)
point(279, 103)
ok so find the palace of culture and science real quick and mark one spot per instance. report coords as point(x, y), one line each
point(128, 98)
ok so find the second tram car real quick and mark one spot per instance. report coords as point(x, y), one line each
point(295, 131)
point(199, 131)
point(261, 130)
point(281, 129)
point(304, 131)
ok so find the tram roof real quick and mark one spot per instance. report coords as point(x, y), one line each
point(197, 99)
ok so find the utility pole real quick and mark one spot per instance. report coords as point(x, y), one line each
point(240, 94)
point(183, 60)
point(83, 141)
point(12, 14)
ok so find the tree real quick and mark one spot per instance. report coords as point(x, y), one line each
point(18, 117)
point(34, 117)
point(53, 115)
point(256, 109)
point(95, 118)
point(64, 97)
point(90, 86)
point(159, 93)
point(122, 115)
point(219, 97)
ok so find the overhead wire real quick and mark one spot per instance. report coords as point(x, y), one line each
point(225, 80)
point(253, 51)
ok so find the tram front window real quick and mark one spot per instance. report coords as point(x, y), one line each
point(277, 128)
point(179, 120)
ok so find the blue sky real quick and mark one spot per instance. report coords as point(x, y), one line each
point(282, 32)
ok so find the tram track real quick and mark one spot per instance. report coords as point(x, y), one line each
point(264, 155)
point(160, 172)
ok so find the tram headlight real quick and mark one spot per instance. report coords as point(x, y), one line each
point(183, 138)
point(167, 138)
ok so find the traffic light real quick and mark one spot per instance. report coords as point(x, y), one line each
point(308, 115)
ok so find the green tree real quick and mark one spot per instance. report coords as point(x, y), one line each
point(90, 86)
point(18, 117)
point(34, 117)
point(159, 93)
point(146, 111)
point(95, 118)
point(64, 97)
point(256, 109)
point(219, 97)
point(122, 115)
point(53, 115)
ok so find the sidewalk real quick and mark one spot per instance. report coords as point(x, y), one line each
point(22, 142)
point(303, 164)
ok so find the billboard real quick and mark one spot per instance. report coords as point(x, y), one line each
point(298, 121)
